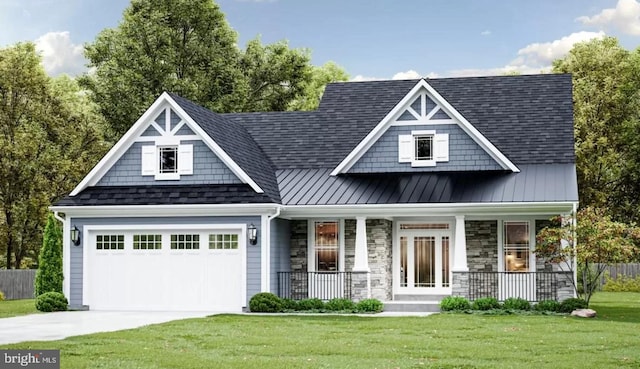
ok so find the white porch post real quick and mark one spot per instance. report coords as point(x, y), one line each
point(361, 259)
point(460, 247)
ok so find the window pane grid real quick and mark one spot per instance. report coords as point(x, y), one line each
point(185, 241)
point(516, 246)
point(147, 242)
point(168, 159)
point(326, 247)
point(110, 242)
point(223, 241)
point(424, 147)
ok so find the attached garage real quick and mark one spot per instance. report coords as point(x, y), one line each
point(165, 268)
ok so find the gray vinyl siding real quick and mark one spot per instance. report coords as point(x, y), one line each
point(207, 169)
point(464, 153)
point(184, 131)
point(253, 253)
point(280, 248)
point(151, 131)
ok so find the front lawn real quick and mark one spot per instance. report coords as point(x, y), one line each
point(438, 341)
point(9, 308)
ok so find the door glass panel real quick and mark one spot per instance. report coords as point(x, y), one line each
point(403, 261)
point(516, 246)
point(326, 246)
point(445, 261)
point(424, 261)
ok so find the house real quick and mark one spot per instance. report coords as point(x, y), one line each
point(405, 191)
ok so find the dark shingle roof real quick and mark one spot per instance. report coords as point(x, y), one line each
point(528, 118)
point(165, 195)
point(234, 139)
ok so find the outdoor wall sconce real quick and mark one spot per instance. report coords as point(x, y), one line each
point(253, 234)
point(75, 235)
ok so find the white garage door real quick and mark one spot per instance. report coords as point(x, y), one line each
point(164, 269)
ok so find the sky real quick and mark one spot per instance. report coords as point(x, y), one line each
point(370, 39)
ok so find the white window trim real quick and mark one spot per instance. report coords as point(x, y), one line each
point(311, 235)
point(532, 241)
point(423, 163)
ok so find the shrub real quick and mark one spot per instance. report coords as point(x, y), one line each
point(454, 303)
point(621, 284)
point(369, 306)
point(265, 302)
point(1, 296)
point(547, 305)
point(51, 301)
point(49, 275)
point(516, 303)
point(572, 304)
point(486, 303)
point(289, 304)
point(310, 304)
point(340, 305)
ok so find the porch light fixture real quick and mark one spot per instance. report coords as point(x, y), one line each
point(253, 234)
point(75, 235)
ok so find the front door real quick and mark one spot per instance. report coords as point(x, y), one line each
point(424, 258)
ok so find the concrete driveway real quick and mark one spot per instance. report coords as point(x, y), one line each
point(55, 326)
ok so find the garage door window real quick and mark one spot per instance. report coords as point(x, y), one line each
point(185, 241)
point(110, 242)
point(223, 241)
point(147, 241)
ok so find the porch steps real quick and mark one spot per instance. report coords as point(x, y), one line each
point(412, 306)
point(414, 303)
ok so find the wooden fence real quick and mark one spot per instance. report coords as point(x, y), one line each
point(618, 270)
point(17, 283)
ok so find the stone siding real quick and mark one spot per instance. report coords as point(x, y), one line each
point(482, 245)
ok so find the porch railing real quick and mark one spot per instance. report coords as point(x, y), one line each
point(322, 285)
point(531, 286)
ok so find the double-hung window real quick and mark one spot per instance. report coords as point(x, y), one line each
point(517, 247)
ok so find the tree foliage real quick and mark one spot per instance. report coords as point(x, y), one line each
point(49, 276)
point(187, 47)
point(314, 88)
point(606, 92)
point(594, 243)
point(51, 136)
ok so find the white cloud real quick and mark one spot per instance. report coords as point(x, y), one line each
point(432, 75)
point(542, 54)
point(410, 74)
point(60, 54)
point(485, 33)
point(533, 58)
point(625, 17)
point(361, 78)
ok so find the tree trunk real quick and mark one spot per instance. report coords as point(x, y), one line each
point(9, 220)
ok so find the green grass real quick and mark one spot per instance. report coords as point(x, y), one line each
point(9, 308)
point(440, 341)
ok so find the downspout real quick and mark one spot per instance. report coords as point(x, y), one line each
point(66, 254)
point(57, 216)
point(266, 287)
point(575, 243)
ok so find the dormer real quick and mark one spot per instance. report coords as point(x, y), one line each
point(424, 133)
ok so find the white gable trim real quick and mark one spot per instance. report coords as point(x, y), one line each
point(388, 120)
point(136, 130)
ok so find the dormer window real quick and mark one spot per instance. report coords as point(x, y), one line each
point(167, 160)
point(423, 148)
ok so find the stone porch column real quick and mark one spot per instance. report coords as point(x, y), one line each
point(361, 257)
point(460, 247)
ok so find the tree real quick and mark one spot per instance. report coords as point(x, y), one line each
point(50, 136)
point(594, 243)
point(314, 88)
point(49, 276)
point(187, 47)
point(606, 92)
